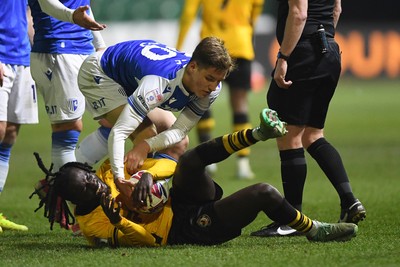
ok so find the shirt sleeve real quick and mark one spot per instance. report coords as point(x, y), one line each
point(127, 122)
point(186, 120)
point(128, 233)
point(159, 168)
point(98, 41)
point(56, 9)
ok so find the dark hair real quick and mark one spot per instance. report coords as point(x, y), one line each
point(211, 52)
point(53, 195)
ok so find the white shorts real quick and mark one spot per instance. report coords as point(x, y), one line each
point(102, 93)
point(18, 97)
point(56, 79)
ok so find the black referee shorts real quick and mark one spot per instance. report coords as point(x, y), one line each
point(240, 78)
point(315, 77)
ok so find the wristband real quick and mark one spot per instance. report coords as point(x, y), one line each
point(282, 56)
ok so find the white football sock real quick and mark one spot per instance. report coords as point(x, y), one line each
point(63, 148)
point(92, 149)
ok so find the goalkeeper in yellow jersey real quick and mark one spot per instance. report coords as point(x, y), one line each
point(195, 213)
point(232, 21)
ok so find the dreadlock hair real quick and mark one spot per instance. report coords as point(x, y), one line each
point(52, 192)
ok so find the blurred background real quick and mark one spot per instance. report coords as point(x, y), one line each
point(368, 33)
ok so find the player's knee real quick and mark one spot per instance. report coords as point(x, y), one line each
point(2, 133)
point(268, 193)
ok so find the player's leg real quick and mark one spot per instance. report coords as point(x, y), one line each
point(56, 78)
point(105, 101)
point(205, 126)
point(289, 104)
point(93, 147)
point(191, 178)
point(239, 82)
point(327, 157)
point(241, 208)
point(330, 161)
point(18, 105)
point(204, 129)
point(5, 149)
point(6, 144)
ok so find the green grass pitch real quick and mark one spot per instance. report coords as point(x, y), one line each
point(363, 124)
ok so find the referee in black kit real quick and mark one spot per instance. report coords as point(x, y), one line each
point(305, 77)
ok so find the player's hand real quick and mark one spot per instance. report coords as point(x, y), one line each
point(81, 18)
point(108, 205)
point(125, 187)
point(2, 74)
point(135, 157)
point(142, 190)
point(280, 74)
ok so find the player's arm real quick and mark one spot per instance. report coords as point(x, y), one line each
point(162, 169)
point(295, 23)
point(78, 16)
point(2, 74)
point(185, 121)
point(178, 131)
point(31, 31)
point(130, 233)
point(98, 41)
point(125, 125)
point(189, 12)
point(337, 10)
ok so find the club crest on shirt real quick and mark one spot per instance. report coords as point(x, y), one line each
point(203, 221)
point(72, 104)
point(153, 96)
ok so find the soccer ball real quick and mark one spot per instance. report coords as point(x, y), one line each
point(159, 191)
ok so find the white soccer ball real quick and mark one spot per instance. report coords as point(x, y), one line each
point(159, 191)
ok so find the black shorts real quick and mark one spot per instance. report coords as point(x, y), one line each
point(240, 78)
point(197, 224)
point(315, 77)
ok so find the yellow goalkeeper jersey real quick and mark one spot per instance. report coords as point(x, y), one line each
point(134, 229)
point(230, 20)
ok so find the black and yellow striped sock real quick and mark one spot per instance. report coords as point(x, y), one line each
point(245, 152)
point(301, 223)
point(222, 147)
point(205, 127)
point(238, 140)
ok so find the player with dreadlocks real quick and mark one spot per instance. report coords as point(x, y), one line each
point(55, 208)
point(195, 212)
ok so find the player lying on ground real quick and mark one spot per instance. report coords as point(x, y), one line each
point(195, 212)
